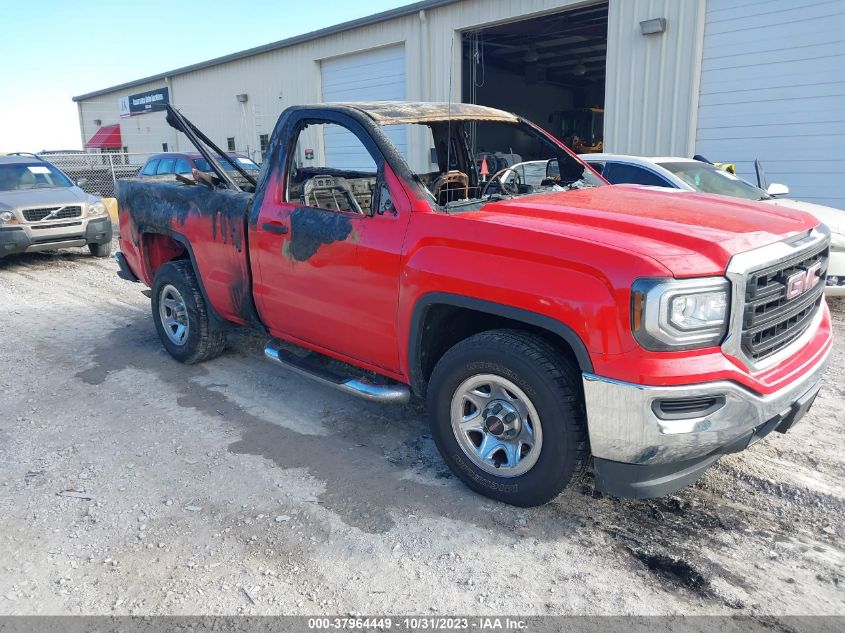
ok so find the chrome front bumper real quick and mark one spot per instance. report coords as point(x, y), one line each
point(624, 427)
point(649, 440)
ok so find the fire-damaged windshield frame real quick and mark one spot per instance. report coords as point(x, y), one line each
point(374, 116)
point(462, 129)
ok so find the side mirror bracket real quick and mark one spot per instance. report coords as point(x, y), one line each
point(385, 204)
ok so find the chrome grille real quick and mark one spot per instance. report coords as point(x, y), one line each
point(62, 213)
point(770, 320)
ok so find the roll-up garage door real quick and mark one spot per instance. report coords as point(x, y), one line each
point(374, 75)
point(773, 89)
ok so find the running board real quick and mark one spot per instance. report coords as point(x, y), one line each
point(390, 392)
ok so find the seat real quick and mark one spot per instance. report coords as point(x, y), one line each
point(444, 192)
point(322, 192)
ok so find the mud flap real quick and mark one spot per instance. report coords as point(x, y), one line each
point(124, 272)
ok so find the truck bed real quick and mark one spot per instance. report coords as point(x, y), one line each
point(209, 223)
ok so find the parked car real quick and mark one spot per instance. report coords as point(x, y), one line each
point(42, 209)
point(695, 175)
point(171, 163)
point(547, 323)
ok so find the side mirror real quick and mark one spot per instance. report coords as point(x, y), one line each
point(81, 182)
point(776, 189)
point(553, 169)
point(385, 204)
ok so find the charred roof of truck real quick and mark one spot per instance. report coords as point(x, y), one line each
point(399, 112)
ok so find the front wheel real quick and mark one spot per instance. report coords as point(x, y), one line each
point(181, 315)
point(507, 414)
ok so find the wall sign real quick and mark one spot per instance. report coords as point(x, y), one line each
point(143, 102)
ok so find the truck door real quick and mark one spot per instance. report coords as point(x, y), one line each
point(329, 241)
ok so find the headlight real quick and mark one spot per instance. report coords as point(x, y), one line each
point(98, 208)
point(674, 314)
point(837, 241)
point(6, 217)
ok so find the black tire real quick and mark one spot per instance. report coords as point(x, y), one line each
point(100, 250)
point(550, 380)
point(203, 341)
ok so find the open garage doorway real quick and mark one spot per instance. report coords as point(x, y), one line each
point(550, 69)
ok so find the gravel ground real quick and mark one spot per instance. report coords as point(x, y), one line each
point(130, 484)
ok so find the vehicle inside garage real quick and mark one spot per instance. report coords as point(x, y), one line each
point(549, 69)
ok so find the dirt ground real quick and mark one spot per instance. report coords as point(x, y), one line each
point(234, 487)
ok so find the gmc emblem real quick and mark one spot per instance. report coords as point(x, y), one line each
point(801, 282)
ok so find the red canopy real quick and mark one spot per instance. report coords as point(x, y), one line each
point(107, 137)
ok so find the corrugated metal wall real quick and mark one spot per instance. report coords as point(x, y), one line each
point(773, 88)
point(652, 80)
point(651, 90)
point(277, 79)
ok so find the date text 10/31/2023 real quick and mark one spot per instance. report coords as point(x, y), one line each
point(418, 623)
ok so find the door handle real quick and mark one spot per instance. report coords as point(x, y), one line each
point(273, 227)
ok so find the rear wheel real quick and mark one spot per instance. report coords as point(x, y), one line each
point(506, 412)
point(100, 250)
point(181, 315)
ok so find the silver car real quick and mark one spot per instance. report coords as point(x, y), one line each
point(42, 209)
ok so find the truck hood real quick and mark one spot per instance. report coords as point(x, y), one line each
point(28, 198)
point(691, 234)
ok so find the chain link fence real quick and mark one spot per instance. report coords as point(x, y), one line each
point(97, 173)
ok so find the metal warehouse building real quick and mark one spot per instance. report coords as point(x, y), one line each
point(733, 81)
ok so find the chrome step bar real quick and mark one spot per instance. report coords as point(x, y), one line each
point(390, 392)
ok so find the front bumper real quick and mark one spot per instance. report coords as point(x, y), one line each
point(24, 239)
point(641, 450)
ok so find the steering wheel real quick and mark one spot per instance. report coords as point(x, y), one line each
point(500, 177)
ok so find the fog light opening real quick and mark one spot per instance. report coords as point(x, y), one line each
point(687, 408)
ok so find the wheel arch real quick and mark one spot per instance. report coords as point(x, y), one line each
point(179, 246)
point(459, 317)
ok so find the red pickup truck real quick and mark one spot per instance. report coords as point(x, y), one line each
point(462, 254)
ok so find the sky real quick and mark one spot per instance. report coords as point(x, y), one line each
point(53, 50)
